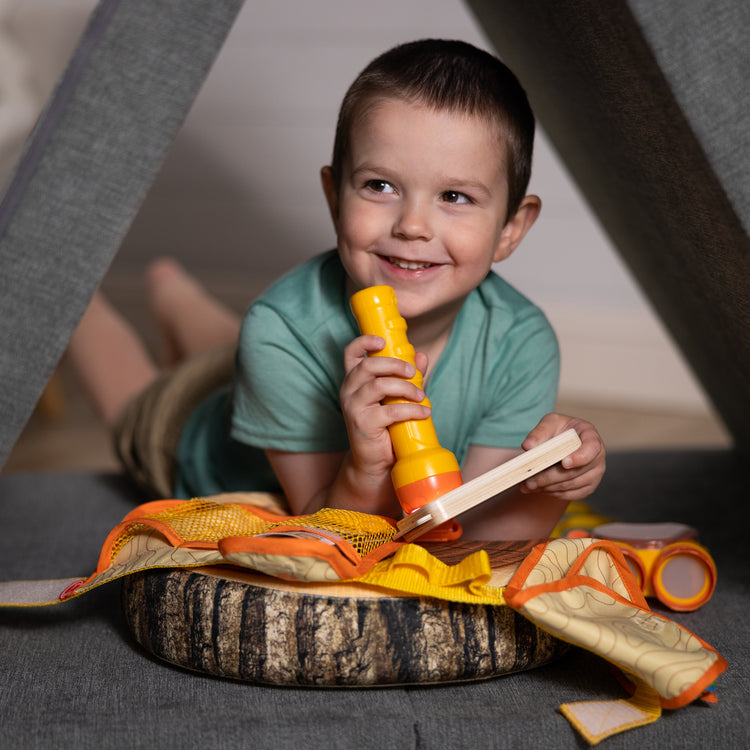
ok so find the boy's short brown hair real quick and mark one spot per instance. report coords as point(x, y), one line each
point(453, 76)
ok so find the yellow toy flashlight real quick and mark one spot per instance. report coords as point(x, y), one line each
point(667, 561)
point(423, 470)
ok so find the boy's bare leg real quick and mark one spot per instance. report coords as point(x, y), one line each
point(190, 320)
point(110, 359)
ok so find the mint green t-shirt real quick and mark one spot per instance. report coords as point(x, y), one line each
point(495, 379)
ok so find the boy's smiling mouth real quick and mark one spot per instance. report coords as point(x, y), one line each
point(408, 265)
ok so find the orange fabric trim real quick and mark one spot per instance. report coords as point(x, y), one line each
point(143, 514)
point(279, 546)
point(626, 574)
point(694, 692)
point(341, 555)
point(134, 516)
point(105, 556)
point(377, 555)
point(529, 563)
point(706, 680)
point(345, 547)
point(517, 599)
point(516, 595)
point(154, 506)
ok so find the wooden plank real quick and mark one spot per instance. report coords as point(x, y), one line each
point(487, 485)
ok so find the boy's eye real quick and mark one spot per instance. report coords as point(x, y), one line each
point(380, 186)
point(453, 196)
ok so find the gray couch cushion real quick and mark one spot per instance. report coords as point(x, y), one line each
point(73, 677)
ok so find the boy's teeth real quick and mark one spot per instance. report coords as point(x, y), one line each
point(408, 265)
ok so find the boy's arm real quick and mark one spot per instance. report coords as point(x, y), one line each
point(532, 510)
point(359, 479)
point(312, 481)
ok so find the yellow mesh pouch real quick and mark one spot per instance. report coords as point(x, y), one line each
point(330, 545)
point(349, 542)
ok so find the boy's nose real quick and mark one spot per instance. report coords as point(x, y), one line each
point(412, 222)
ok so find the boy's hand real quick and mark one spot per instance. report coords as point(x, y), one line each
point(577, 475)
point(368, 381)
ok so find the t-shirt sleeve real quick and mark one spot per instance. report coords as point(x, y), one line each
point(286, 391)
point(523, 385)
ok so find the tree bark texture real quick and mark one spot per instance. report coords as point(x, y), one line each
point(262, 634)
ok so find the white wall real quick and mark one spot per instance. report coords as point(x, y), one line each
point(239, 194)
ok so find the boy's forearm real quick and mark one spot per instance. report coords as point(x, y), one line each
point(513, 516)
point(355, 489)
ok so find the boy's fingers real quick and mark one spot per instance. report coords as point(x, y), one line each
point(388, 366)
point(547, 478)
point(355, 356)
point(580, 457)
point(375, 390)
point(422, 362)
point(585, 455)
point(356, 350)
point(405, 412)
point(558, 486)
point(549, 426)
point(589, 458)
point(370, 372)
point(591, 450)
point(374, 421)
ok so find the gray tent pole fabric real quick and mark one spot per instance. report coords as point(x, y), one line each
point(647, 103)
point(84, 172)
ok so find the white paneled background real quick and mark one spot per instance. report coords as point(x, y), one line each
point(238, 199)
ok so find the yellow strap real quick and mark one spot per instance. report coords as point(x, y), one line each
point(413, 570)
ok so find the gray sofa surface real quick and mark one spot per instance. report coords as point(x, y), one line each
point(74, 677)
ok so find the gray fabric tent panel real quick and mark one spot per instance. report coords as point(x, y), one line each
point(653, 131)
point(704, 51)
point(84, 172)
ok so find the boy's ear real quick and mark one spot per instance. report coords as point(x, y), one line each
point(517, 226)
point(331, 193)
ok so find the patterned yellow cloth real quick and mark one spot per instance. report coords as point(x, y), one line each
point(583, 591)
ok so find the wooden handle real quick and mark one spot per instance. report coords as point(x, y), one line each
point(487, 485)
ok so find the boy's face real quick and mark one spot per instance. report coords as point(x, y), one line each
point(421, 205)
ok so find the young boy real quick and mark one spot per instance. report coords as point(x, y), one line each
point(426, 189)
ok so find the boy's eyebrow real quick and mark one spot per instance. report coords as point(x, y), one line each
point(368, 167)
point(469, 185)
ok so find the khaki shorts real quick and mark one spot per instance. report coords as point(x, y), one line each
point(147, 436)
